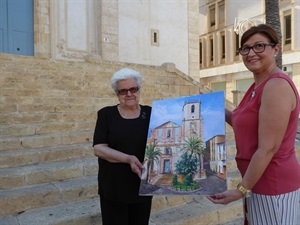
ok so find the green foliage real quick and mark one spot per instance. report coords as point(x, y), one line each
point(188, 185)
point(187, 164)
point(188, 180)
point(175, 180)
point(194, 146)
point(151, 155)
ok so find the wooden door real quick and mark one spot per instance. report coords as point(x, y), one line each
point(16, 27)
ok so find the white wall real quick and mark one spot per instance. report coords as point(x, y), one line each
point(243, 9)
point(169, 17)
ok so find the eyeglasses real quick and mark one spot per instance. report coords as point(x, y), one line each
point(257, 48)
point(125, 91)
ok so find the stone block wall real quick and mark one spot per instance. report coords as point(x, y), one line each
point(40, 96)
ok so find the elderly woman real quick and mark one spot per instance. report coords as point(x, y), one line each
point(265, 125)
point(119, 143)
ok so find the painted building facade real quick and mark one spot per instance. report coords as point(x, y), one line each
point(215, 160)
point(170, 140)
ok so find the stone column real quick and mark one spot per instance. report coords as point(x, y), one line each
point(108, 30)
point(193, 36)
point(42, 30)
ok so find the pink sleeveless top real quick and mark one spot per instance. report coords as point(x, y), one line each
point(283, 173)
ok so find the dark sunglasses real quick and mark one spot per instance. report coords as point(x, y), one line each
point(125, 91)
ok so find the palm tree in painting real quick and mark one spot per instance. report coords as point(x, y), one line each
point(194, 146)
point(151, 156)
point(273, 19)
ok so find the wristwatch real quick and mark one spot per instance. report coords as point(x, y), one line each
point(244, 190)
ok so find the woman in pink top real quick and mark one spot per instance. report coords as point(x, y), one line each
point(265, 125)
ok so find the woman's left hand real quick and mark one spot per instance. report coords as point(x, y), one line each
point(226, 197)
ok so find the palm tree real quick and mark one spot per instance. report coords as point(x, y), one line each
point(273, 19)
point(151, 156)
point(194, 146)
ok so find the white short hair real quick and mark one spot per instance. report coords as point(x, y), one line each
point(124, 74)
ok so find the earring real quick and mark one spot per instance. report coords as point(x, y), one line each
point(275, 55)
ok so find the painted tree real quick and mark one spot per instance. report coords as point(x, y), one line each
point(151, 156)
point(194, 146)
point(273, 19)
point(187, 164)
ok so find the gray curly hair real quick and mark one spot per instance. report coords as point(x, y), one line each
point(124, 74)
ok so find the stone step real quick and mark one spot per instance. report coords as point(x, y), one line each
point(18, 200)
point(199, 211)
point(37, 123)
point(47, 172)
point(45, 140)
point(87, 212)
point(15, 158)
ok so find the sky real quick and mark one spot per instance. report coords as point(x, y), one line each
point(212, 112)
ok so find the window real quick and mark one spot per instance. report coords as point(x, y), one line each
point(218, 86)
point(237, 44)
point(193, 109)
point(221, 14)
point(244, 84)
point(212, 15)
point(213, 153)
point(287, 29)
point(200, 53)
point(168, 133)
point(223, 47)
point(211, 41)
point(154, 37)
point(168, 151)
point(193, 129)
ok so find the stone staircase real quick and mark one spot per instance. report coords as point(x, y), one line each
point(34, 178)
point(57, 185)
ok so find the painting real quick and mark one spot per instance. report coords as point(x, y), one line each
point(185, 152)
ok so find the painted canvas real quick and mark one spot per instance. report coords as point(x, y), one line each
point(185, 152)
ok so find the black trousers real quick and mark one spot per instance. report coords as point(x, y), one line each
point(118, 213)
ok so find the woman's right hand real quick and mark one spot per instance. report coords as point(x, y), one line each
point(114, 156)
point(136, 166)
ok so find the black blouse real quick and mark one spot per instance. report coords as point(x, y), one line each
point(116, 180)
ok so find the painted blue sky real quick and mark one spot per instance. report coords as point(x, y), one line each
point(212, 112)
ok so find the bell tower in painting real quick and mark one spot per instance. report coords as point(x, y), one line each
point(192, 121)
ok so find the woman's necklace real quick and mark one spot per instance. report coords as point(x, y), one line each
point(254, 90)
point(129, 116)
